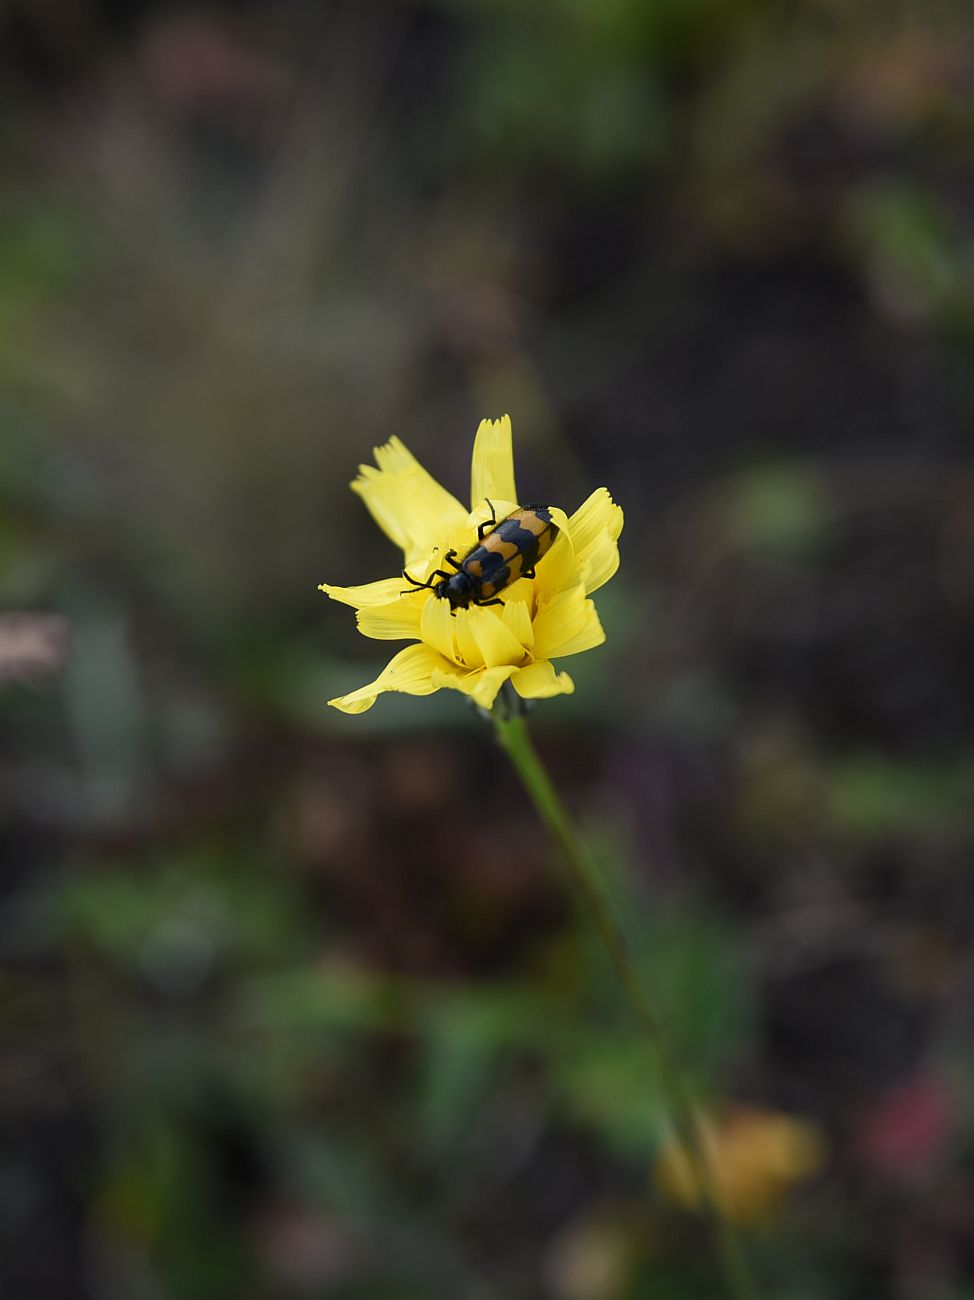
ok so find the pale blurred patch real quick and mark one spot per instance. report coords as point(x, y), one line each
point(32, 645)
point(757, 1156)
point(593, 1257)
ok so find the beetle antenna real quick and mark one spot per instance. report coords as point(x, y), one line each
point(415, 581)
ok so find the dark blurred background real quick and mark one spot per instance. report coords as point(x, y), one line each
point(279, 1016)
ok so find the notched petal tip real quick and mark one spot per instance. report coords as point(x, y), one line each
point(492, 463)
point(397, 621)
point(539, 681)
point(405, 500)
point(595, 527)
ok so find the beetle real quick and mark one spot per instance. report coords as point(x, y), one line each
point(504, 552)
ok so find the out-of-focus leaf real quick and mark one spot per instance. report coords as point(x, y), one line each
point(608, 1084)
point(325, 996)
point(914, 260)
point(875, 796)
point(784, 509)
point(175, 921)
point(468, 1035)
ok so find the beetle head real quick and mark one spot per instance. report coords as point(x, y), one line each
point(457, 589)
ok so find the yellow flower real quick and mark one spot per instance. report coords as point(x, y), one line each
point(756, 1157)
point(476, 650)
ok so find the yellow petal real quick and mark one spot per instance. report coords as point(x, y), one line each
point(497, 643)
point(398, 621)
point(516, 617)
point(539, 681)
point(410, 671)
point(406, 502)
point(382, 592)
point(482, 686)
point(438, 628)
point(468, 649)
point(595, 527)
point(559, 569)
point(559, 620)
point(561, 521)
point(489, 681)
point(492, 468)
point(589, 635)
point(567, 626)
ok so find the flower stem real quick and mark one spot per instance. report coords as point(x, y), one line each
point(513, 735)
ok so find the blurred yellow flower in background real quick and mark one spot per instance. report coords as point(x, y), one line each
point(757, 1156)
point(476, 650)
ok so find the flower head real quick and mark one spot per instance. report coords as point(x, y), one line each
point(477, 649)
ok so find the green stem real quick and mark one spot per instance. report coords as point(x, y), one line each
point(513, 735)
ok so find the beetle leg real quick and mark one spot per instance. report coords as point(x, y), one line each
point(428, 584)
point(451, 558)
point(489, 525)
point(415, 581)
point(482, 604)
point(528, 573)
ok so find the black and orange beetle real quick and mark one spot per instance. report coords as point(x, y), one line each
point(504, 552)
